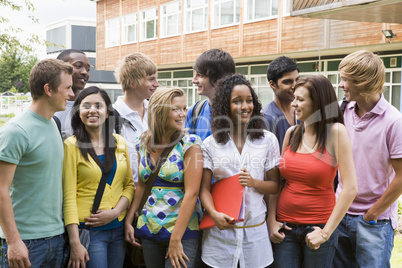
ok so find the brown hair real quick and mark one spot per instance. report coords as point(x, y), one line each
point(47, 72)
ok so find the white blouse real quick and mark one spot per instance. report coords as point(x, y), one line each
point(248, 246)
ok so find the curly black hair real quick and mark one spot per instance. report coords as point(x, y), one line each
point(221, 124)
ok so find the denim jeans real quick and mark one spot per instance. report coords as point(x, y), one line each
point(294, 252)
point(362, 244)
point(107, 248)
point(43, 252)
point(155, 252)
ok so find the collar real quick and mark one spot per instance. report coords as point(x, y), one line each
point(124, 110)
point(381, 106)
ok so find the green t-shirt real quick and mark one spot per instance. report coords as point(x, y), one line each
point(34, 144)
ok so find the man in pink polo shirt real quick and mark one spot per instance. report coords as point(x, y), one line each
point(366, 233)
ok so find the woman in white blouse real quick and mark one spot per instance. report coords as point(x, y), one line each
point(239, 145)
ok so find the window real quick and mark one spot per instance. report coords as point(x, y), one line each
point(171, 20)
point(112, 32)
point(225, 13)
point(262, 88)
point(130, 23)
point(149, 23)
point(286, 7)
point(260, 9)
point(196, 15)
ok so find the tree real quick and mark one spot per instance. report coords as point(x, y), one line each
point(7, 36)
point(15, 66)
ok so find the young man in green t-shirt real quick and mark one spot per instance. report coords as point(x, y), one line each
point(31, 160)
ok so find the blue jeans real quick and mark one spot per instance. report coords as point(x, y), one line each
point(362, 244)
point(107, 248)
point(294, 252)
point(155, 252)
point(43, 252)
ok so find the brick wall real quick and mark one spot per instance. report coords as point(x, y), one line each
point(250, 39)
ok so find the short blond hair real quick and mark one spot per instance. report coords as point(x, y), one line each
point(366, 70)
point(133, 70)
point(159, 107)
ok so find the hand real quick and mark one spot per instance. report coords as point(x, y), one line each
point(245, 179)
point(176, 254)
point(78, 256)
point(18, 254)
point(129, 235)
point(100, 218)
point(275, 235)
point(315, 239)
point(222, 221)
point(369, 217)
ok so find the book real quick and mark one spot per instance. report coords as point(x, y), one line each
point(228, 197)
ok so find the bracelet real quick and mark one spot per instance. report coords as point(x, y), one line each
point(323, 237)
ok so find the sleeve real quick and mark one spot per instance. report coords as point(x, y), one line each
point(13, 143)
point(273, 154)
point(189, 121)
point(189, 141)
point(270, 123)
point(206, 154)
point(70, 167)
point(394, 140)
point(128, 185)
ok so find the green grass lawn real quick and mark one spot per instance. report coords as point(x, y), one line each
point(396, 257)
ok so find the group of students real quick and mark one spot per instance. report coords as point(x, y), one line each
point(288, 172)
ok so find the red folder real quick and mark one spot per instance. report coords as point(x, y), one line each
point(228, 198)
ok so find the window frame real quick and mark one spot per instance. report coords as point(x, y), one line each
point(125, 28)
point(164, 19)
point(112, 31)
point(268, 17)
point(188, 22)
point(216, 6)
point(143, 22)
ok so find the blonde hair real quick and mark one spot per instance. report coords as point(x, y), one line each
point(133, 70)
point(158, 115)
point(366, 70)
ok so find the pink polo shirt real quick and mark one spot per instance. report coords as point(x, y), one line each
point(376, 139)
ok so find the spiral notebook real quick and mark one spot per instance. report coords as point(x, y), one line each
point(228, 196)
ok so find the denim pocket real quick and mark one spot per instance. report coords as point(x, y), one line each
point(29, 244)
point(379, 223)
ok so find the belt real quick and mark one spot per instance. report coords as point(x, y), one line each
point(249, 226)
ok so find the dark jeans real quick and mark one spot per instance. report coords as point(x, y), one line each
point(362, 244)
point(294, 252)
point(155, 252)
point(43, 252)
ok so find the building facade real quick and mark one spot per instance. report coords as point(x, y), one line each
point(175, 32)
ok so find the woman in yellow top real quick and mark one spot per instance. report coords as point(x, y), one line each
point(93, 146)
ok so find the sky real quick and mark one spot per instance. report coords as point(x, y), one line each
point(47, 12)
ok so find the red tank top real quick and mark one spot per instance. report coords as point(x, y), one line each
point(308, 196)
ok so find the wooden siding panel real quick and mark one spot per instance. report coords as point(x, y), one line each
point(300, 34)
point(260, 38)
point(227, 39)
point(169, 49)
point(193, 45)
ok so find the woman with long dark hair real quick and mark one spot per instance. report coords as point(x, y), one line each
point(303, 221)
point(92, 150)
point(239, 145)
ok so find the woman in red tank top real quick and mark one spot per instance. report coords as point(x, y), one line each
point(303, 218)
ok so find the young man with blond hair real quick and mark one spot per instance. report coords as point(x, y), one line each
point(366, 233)
point(31, 161)
point(137, 75)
